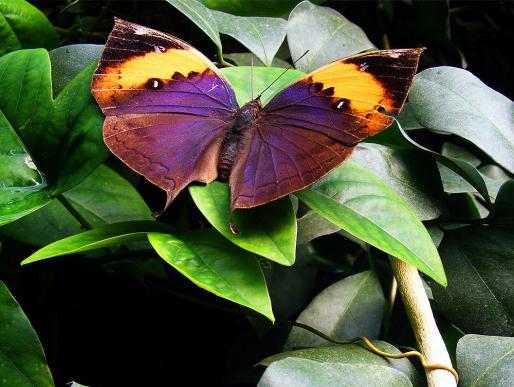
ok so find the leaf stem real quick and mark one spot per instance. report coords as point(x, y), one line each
point(78, 217)
point(422, 320)
point(221, 61)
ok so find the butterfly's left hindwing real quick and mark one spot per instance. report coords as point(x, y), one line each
point(313, 125)
point(166, 106)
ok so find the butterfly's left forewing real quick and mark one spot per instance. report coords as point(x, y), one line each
point(313, 125)
point(166, 106)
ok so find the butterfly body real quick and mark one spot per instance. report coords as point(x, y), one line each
point(238, 132)
point(173, 117)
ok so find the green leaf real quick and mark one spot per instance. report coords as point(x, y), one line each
point(453, 100)
point(216, 265)
point(351, 307)
point(268, 230)
point(105, 236)
point(484, 361)
point(396, 137)
point(201, 16)
point(63, 136)
point(24, 26)
point(261, 35)
point(360, 203)
point(103, 197)
point(326, 33)
point(352, 354)
point(245, 59)
point(304, 372)
point(68, 61)
point(479, 264)
point(311, 226)
point(411, 173)
point(262, 78)
point(22, 360)
point(503, 207)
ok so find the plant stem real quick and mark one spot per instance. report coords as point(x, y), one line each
point(417, 306)
point(79, 218)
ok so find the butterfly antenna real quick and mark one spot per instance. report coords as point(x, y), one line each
point(283, 72)
point(251, 75)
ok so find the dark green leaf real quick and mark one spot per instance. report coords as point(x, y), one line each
point(105, 236)
point(360, 203)
point(504, 206)
point(103, 197)
point(327, 35)
point(304, 372)
point(485, 361)
point(411, 173)
point(352, 354)
point(22, 360)
point(351, 307)
point(261, 35)
point(454, 101)
point(262, 78)
point(68, 61)
point(479, 263)
point(268, 230)
point(216, 265)
point(24, 26)
point(311, 226)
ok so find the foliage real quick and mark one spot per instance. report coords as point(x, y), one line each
point(434, 190)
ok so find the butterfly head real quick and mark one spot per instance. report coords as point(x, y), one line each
point(248, 112)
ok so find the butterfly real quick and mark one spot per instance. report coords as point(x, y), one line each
point(173, 117)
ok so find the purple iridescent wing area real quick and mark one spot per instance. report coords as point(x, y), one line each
point(313, 125)
point(166, 106)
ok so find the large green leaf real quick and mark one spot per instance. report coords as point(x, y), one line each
point(304, 372)
point(479, 263)
point(103, 197)
point(261, 35)
point(268, 230)
point(216, 265)
point(504, 207)
point(63, 136)
point(325, 33)
point(352, 354)
point(351, 307)
point(485, 361)
point(104, 236)
point(240, 77)
point(68, 61)
point(249, 59)
point(453, 100)
point(411, 173)
point(22, 360)
point(24, 26)
point(360, 203)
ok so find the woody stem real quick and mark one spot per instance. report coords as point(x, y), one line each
point(417, 306)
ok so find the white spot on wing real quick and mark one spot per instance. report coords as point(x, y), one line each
point(363, 66)
point(340, 104)
point(140, 31)
point(395, 55)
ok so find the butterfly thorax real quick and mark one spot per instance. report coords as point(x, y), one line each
point(236, 131)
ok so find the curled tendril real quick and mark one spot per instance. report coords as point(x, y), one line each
point(369, 345)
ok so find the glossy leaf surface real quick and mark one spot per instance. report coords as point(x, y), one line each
point(216, 265)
